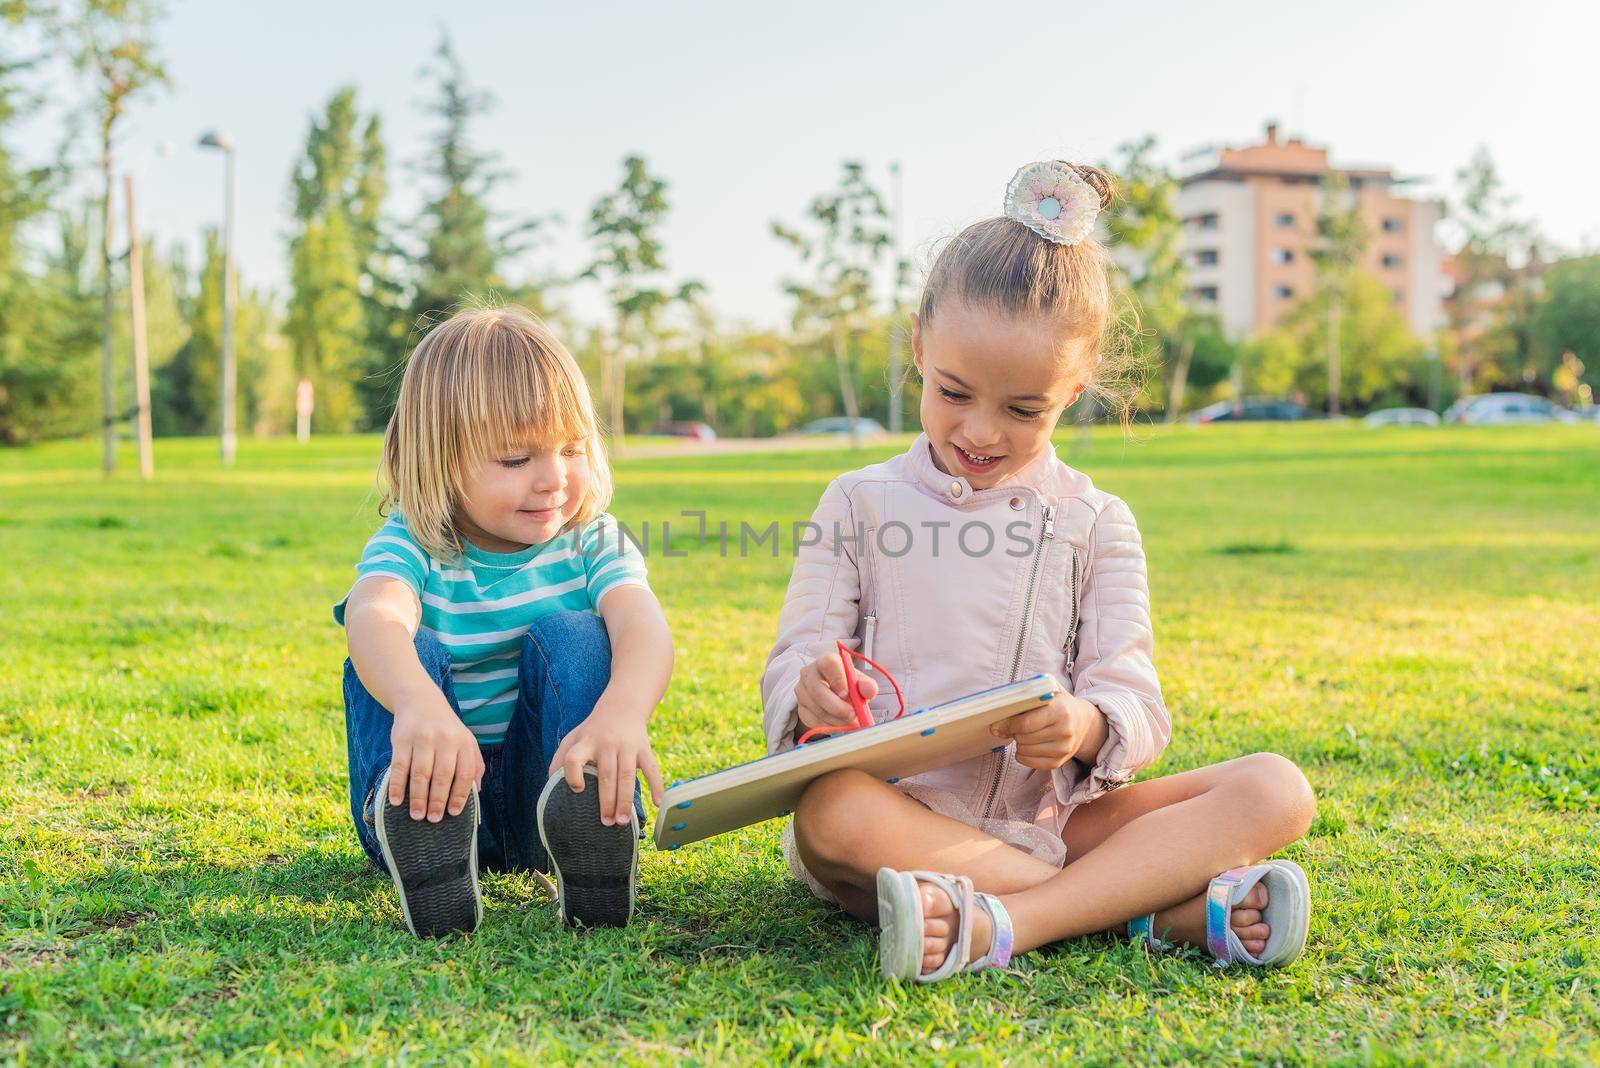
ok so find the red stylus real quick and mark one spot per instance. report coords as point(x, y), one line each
point(853, 691)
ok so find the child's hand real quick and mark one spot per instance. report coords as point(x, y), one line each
point(1050, 735)
point(822, 695)
point(615, 740)
point(435, 754)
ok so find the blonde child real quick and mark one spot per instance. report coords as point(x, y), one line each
point(976, 558)
point(505, 650)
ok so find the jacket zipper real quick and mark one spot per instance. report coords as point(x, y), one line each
point(1045, 535)
point(1072, 629)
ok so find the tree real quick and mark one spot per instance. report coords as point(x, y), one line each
point(1566, 326)
point(47, 339)
point(462, 254)
point(1147, 234)
point(628, 263)
point(187, 384)
point(1341, 237)
point(1383, 360)
point(1494, 245)
point(338, 189)
point(46, 330)
point(849, 235)
point(113, 40)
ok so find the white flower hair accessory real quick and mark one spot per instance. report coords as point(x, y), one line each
point(1053, 200)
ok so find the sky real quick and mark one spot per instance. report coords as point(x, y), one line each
point(747, 109)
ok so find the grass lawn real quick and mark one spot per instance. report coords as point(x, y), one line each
point(1412, 616)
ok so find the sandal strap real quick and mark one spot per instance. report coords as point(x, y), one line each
point(1143, 927)
point(1001, 938)
point(1219, 907)
point(959, 889)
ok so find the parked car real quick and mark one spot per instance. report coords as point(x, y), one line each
point(692, 431)
point(840, 424)
point(1401, 417)
point(1504, 409)
point(1253, 410)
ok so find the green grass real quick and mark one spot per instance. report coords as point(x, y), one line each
point(1410, 615)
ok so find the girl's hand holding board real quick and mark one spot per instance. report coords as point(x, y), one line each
point(1049, 736)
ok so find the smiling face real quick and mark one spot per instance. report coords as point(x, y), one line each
point(523, 495)
point(994, 387)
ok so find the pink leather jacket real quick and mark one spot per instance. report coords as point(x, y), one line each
point(954, 590)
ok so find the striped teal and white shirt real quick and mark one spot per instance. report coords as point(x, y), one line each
point(479, 607)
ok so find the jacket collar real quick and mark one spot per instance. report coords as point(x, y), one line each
point(1036, 476)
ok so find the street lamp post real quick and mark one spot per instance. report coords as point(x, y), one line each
point(230, 377)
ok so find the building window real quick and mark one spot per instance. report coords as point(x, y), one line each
point(1208, 221)
point(1391, 259)
point(1283, 292)
point(1204, 294)
point(1282, 255)
point(1284, 220)
point(1205, 257)
point(1392, 225)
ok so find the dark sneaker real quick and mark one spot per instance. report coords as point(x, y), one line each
point(434, 865)
point(596, 866)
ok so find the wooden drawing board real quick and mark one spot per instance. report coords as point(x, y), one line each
point(916, 742)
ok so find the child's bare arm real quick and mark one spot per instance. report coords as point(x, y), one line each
point(615, 738)
point(434, 752)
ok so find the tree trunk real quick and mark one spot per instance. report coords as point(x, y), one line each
point(1180, 379)
point(1334, 387)
point(108, 399)
point(847, 386)
point(618, 384)
point(141, 360)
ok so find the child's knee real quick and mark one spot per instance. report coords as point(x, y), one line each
point(828, 816)
point(1278, 789)
point(566, 636)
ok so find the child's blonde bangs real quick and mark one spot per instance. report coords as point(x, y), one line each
point(482, 385)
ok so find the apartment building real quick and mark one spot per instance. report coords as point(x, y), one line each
point(1250, 223)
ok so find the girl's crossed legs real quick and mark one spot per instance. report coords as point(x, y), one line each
point(1150, 847)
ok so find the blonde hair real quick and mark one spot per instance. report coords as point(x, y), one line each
point(485, 380)
point(999, 264)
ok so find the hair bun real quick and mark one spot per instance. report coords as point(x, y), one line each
point(1098, 179)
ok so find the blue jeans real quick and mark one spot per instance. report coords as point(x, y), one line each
point(565, 665)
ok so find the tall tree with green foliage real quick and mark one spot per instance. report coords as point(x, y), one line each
point(187, 385)
point(338, 189)
point(628, 263)
point(463, 251)
point(1341, 238)
point(849, 233)
point(1494, 244)
point(1146, 234)
point(1566, 326)
point(113, 41)
point(42, 318)
point(1382, 359)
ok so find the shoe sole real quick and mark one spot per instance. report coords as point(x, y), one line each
point(596, 867)
point(899, 941)
point(434, 865)
point(1299, 914)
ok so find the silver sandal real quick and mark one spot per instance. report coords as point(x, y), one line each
point(901, 920)
point(1288, 913)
